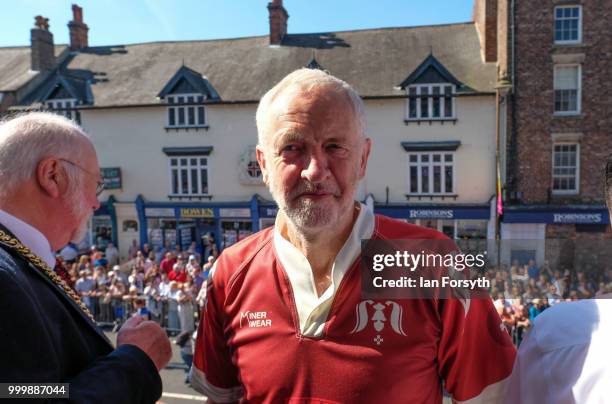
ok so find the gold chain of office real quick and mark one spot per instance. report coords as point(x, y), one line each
point(25, 252)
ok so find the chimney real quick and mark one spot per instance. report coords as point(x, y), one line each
point(78, 29)
point(278, 21)
point(485, 18)
point(503, 41)
point(42, 50)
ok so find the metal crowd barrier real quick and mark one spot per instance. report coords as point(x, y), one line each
point(115, 312)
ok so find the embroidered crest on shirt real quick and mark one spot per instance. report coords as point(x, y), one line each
point(379, 319)
point(255, 319)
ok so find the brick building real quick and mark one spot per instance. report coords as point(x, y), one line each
point(559, 122)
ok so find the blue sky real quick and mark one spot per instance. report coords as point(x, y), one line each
point(131, 21)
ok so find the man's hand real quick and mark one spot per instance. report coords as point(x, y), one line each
point(148, 336)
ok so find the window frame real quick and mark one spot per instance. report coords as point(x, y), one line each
point(68, 112)
point(185, 107)
point(578, 110)
point(199, 167)
point(430, 102)
point(571, 41)
point(575, 191)
point(443, 164)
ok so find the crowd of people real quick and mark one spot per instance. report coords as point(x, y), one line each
point(522, 292)
point(164, 285)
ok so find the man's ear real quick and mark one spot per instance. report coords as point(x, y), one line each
point(51, 177)
point(261, 159)
point(365, 154)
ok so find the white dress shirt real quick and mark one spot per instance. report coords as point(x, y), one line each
point(566, 356)
point(29, 237)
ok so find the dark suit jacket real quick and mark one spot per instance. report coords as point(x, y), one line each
point(46, 337)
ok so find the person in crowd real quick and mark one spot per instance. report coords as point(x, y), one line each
point(112, 254)
point(121, 273)
point(532, 270)
point(159, 253)
point(195, 250)
point(167, 263)
point(521, 317)
point(106, 309)
point(100, 278)
point(153, 296)
point(83, 263)
point(178, 273)
point(185, 301)
point(552, 295)
point(184, 341)
point(133, 250)
point(164, 286)
point(146, 250)
point(152, 273)
point(198, 279)
point(521, 275)
point(136, 279)
point(536, 309)
point(50, 185)
point(292, 286)
point(149, 261)
point(84, 286)
point(174, 324)
point(192, 263)
point(206, 268)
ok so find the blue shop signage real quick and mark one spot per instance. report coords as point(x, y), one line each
point(584, 215)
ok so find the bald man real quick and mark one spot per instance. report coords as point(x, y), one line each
point(50, 186)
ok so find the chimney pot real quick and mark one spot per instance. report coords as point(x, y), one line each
point(78, 29)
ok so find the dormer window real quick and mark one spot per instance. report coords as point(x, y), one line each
point(430, 91)
point(430, 101)
point(186, 95)
point(61, 94)
point(186, 111)
point(65, 107)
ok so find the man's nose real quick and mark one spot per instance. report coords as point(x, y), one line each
point(317, 167)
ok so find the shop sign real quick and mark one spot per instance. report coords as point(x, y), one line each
point(159, 212)
point(581, 218)
point(431, 214)
point(197, 212)
point(111, 177)
point(241, 212)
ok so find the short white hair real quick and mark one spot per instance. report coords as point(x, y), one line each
point(307, 80)
point(28, 138)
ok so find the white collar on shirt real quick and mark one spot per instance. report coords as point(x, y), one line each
point(312, 309)
point(29, 237)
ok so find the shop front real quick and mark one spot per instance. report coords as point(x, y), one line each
point(170, 224)
point(456, 221)
point(556, 234)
